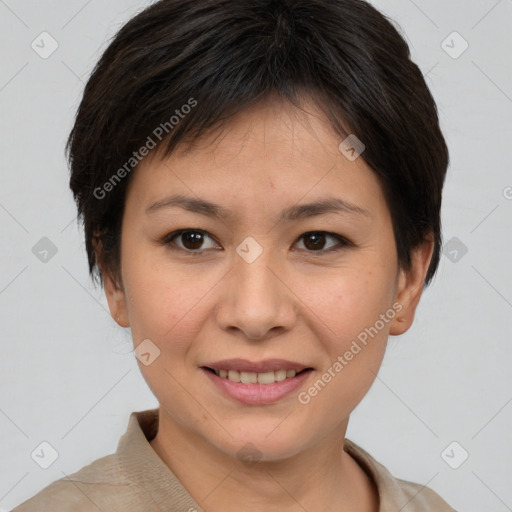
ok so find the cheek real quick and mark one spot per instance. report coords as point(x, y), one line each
point(164, 303)
point(347, 302)
point(353, 342)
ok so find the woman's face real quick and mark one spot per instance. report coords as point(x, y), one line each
point(248, 286)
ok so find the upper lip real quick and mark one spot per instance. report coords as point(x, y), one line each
point(267, 365)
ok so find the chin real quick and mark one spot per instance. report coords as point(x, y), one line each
point(264, 443)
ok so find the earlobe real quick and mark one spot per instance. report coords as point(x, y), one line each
point(116, 300)
point(410, 287)
point(113, 291)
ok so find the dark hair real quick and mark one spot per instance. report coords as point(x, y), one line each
point(220, 56)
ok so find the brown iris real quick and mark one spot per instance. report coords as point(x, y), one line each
point(317, 241)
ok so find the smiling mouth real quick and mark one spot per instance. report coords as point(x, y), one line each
point(257, 378)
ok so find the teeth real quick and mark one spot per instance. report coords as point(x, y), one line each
point(256, 378)
point(249, 377)
point(280, 375)
point(266, 378)
point(234, 375)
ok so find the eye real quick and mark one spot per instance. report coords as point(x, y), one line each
point(315, 241)
point(191, 240)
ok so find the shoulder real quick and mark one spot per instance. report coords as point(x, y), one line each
point(101, 485)
point(394, 493)
point(421, 498)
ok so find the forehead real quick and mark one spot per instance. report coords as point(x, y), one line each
point(270, 128)
point(271, 151)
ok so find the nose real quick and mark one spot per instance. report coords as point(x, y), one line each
point(256, 300)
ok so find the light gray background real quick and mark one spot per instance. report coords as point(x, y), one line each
point(67, 372)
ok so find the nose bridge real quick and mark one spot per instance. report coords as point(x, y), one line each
point(255, 300)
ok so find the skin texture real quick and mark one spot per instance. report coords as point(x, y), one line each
point(291, 303)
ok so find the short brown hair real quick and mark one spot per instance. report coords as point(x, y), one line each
point(227, 54)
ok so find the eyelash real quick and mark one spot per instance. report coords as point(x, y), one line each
point(169, 241)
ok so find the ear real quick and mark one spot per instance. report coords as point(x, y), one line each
point(410, 286)
point(114, 292)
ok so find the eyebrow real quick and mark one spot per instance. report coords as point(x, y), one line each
point(294, 212)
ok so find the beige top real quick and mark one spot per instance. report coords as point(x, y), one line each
point(135, 478)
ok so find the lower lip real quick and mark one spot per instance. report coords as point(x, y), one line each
point(257, 394)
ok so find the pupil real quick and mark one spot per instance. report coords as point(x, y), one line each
point(318, 241)
point(192, 238)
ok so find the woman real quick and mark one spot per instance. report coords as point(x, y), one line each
point(260, 185)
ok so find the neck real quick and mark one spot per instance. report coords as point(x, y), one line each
point(321, 477)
